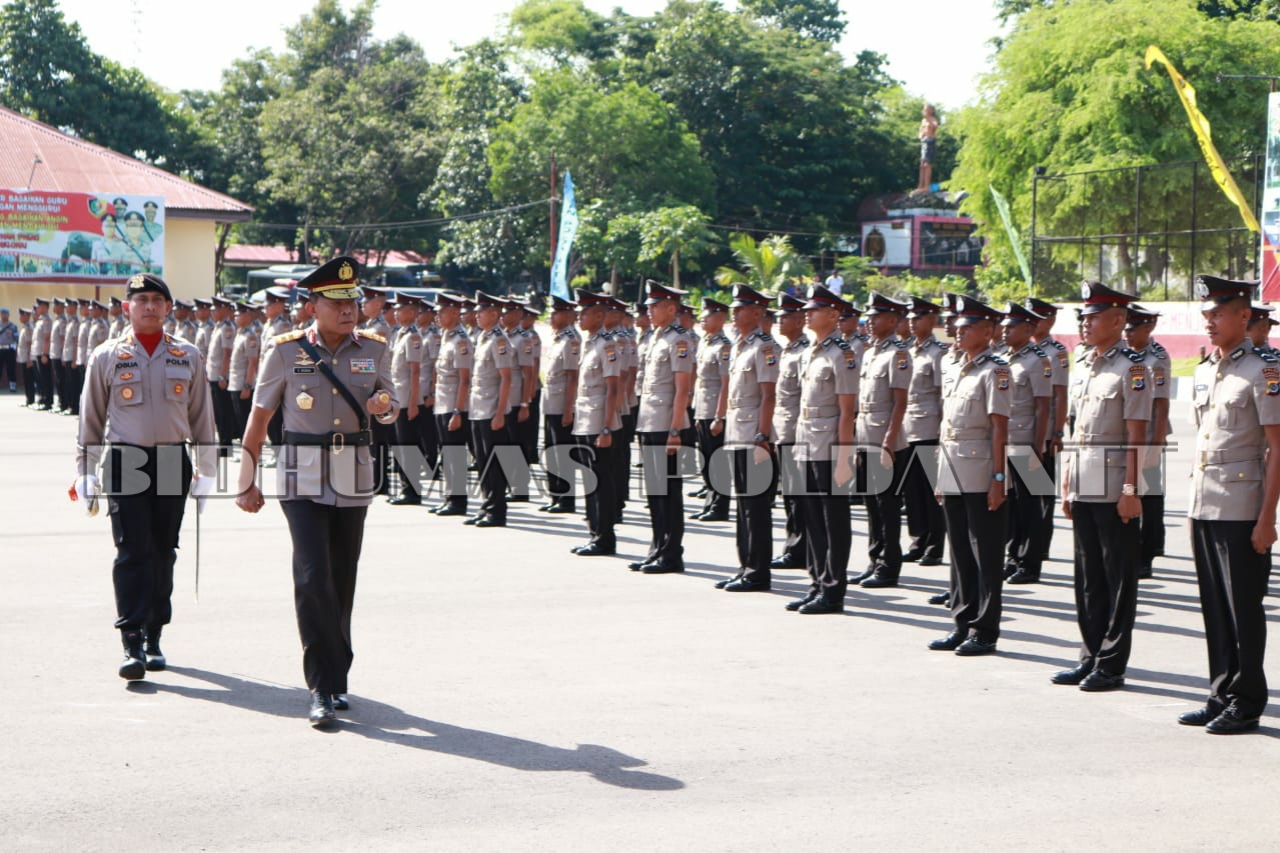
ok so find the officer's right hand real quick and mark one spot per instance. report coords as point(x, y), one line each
point(1055, 445)
point(44, 359)
point(413, 411)
point(1264, 535)
point(499, 421)
point(250, 500)
point(222, 383)
point(455, 422)
point(245, 394)
point(566, 420)
point(1066, 509)
point(844, 470)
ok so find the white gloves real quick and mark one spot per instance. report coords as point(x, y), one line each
point(86, 489)
point(201, 488)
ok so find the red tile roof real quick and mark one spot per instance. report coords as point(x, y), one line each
point(244, 255)
point(73, 165)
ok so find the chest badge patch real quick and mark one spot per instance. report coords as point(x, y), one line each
point(304, 400)
point(126, 393)
point(125, 377)
point(1137, 377)
point(176, 353)
point(178, 388)
point(363, 365)
point(1272, 376)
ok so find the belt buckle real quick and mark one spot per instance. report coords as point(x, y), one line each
point(338, 443)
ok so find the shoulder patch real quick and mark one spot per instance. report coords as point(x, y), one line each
point(770, 357)
point(1002, 378)
point(1272, 377)
point(1047, 365)
point(1137, 377)
point(901, 361)
point(372, 336)
point(850, 359)
point(288, 336)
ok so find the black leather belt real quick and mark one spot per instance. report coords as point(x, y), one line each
point(336, 440)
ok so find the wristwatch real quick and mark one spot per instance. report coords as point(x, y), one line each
point(674, 433)
point(998, 477)
point(606, 431)
point(760, 437)
point(1128, 490)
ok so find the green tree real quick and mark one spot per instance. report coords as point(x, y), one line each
point(1069, 93)
point(817, 19)
point(672, 232)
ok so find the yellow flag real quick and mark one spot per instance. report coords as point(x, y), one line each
point(1200, 125)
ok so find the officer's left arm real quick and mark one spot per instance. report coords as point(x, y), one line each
point(895, 419)
point(613, 387)
point(200, 419)
point(998, 490)
point(1264, 532)
point(1042, 426)
point(1130, 506)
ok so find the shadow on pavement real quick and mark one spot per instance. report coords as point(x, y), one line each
point(382, 722)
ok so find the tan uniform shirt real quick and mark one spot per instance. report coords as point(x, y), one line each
point(82, 340)
point(629, 355)
point(642, 347)
point(310, 403)
point(406, 352)
point(221, 340)
point(1061, 374)
point(1235, 397)
point(26, 335)
point(188, 329)
point(786, 401)
point(828, 371)
point(456, 354)
point(565, 358)
point(202, 339)
point(1105, 391)
point(710, 372)
point(887, 368)
point(70, 339)
point(41, 338)
point(522, 352)
point(494, 351)
point(670, 352)
point(924, 395)
point(754, 362)
point(600, 362)
point(117, 326)
point(1157, 359)
point(131, 397)
point(430, 351)
point(245, 349)
point(972, 392)
point(1032, 372)
point(57, 337)
point(97, 337)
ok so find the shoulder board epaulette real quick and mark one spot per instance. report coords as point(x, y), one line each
point(1265, 354)
point(1155, 345)
point(677, 328)
point(766, 337)
point(287, 336)
point(372, 336)
point(1161, 354)
point(1057, 345)
point(946, 347)
point(901, 344)
point(840, 342)
point(1132, 355)
point(997, 361)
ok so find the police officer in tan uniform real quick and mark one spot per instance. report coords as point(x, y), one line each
point(8, 350)
point(824, 443)
point(70, 369)
point(406, 373)
point(882, 406)
point(428, 434)
point(753, 378)
point(41, 347)
point(1110, 399)
point(615, 325)
point(971, 479)
point(116, 321)
point(1235, 483)
point(559, 405)
point(786, 417)
point(663, 427)
point(1137, 335)
point(596, 419)
point(921, 425)
point(1058, 405)
point(493, 365)
point(524, 382)
point(217, 370)
point(26, 336)
point(1030, 394)
point(710, 402)
point(144, 400)
point(329, 379)
point(452, 397)
point(242, 368)
point(373, 309)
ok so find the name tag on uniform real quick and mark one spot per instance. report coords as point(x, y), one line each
point(304, 370)
point(363, 365)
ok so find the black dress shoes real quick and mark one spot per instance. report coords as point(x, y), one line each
point(973, 647)
point(913, 555)
point(723, 582)
point(475, 519)
point(490, 521)
point(405, 500)
point(448, 509)
point(949, 643)
point(1010, 569)
point(637, 565)
point(744, 585)
point(340, 702)
point(594, 550)
point(560, 509)
point(820, 605)
point(134, 665)
point(700, 493)
point(1200, 717)
point(930, 561)
point(1072, 676)
point(1023, 576)
point(662, 567)
point(1100, 681)
point(854, 580)
point(1231, 722)
point(712, 516)
point(152, 654)
point(786, 562)
point(1144, 573)
point(880, 580)
point(321, 714)
point(793, 606)
point(943, 598)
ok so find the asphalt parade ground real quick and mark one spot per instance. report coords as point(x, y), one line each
point(507, 695)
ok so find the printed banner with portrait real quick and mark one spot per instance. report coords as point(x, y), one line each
point(98, 238)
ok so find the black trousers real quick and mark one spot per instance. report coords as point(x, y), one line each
point(405, 464)
point(453, 445)
point(925, 524)
point(1233, 581)
point(1153, 513)
point(754, 484)
point(59, 382)
point(146, 504)
point(529, 429)
point(976, 563)
point(1050, 501)
point(383, 436)
point(242, 407)
point(792, 478)
point(493, 480)
point(602, 500)
point(622, 458)
point(326, 552)
point(884, 514)
point(560, 481)
point(709, 446)
point(828, 531)
point(44, 380)
point(275, 427)
point(518, 478)
point(429, 435)
point(1106, 577)
point(30, 383)
point(665, 497)
point(1026, 525)
point(9, 365)
point(224, 414)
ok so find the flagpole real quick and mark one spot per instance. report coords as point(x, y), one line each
point(552, 256)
